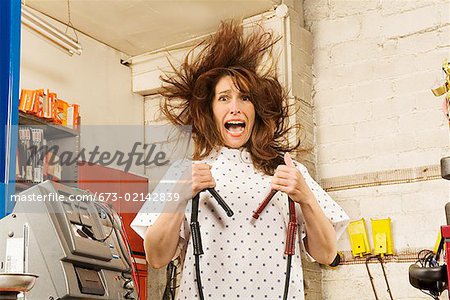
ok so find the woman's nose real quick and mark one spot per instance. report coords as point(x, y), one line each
point(235, 106)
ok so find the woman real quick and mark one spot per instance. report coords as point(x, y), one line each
point(239, 117)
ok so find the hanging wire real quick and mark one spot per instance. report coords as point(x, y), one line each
point(69, 23)
point(384, 274)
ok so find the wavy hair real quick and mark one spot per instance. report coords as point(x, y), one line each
point(189, 89)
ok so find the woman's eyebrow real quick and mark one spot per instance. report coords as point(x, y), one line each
point(225, 92)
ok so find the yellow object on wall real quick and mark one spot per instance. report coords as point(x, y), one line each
point(438, 241)
point(382, 237)
point(358, 237)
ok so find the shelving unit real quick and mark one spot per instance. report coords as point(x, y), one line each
point(53, 130)
point(65, 138)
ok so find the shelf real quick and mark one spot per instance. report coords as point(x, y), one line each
point(21, 186)
point(52, 130)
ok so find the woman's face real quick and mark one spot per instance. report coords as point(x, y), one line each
point(234, 113)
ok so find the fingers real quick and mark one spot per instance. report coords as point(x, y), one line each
point(286, 168)
point(201, 178)
point(288, 160)
point(288, 189)
point(201, 167)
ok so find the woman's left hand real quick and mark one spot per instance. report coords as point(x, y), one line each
point(288, 179)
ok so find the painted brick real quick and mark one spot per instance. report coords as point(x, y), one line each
point(417, 20)
point(418, 43)
point(339, 168)
point(321, 58)
point(433, 138)
point(425, 157)
point(432, 60)
point(373, 70)
point(444, 34)
point(371, 26)
point(336, 133)
point(377, 128)
point(394, 66)
point(352, 113)
point(356, 50)
point(397, 7)
point(339, 9)
point(315, 10)
point(342, 75)
point(417, 81)
point(334, 31)
point(420, 120)
point(333, 96)
point(324, 116)
point(391, 107)
point(345, 150)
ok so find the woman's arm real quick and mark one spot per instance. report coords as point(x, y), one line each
point(321, 237)
point(162, 237)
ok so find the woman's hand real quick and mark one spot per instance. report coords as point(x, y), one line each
point(201, 178)
point(287, 179)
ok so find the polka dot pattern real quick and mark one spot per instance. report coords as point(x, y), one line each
point(244, 258)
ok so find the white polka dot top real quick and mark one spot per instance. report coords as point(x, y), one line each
point(244, 258)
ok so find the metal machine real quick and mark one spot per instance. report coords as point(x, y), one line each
point(72, 242)
point(427, 275)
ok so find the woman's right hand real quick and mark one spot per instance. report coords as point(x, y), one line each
point(201, 178)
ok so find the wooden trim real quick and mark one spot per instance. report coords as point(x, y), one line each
point(387, 177)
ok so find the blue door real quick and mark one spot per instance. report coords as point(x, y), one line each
point(9, 98)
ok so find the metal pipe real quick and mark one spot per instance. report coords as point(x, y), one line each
point(50, 32)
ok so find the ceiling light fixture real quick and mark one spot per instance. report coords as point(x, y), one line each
point(51, 33)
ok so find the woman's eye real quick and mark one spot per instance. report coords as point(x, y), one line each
point(222, 98)
point(245, 98)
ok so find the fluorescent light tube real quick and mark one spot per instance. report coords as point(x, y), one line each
point(48, 31)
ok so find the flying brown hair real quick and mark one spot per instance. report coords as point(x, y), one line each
point(189, 90)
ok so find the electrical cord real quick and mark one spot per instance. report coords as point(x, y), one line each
point(197, 243)
point(196, 236)
point(288, 277)
point(290, 236)
point(427, 259)
point(368, 259)
point(117, 227)
point(171, 283)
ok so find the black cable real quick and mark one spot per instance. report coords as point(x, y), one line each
point(110, 219)
point(197, 275)
point(431, 295)
point(385, 278)
point(288, 277)
point(196, 242)
point(378, 257)
point(110, 212)
point(196, 236)
point(370, 277)
point(169, 293)
point(221, 202)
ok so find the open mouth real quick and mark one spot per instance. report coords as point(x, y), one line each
point(235, 128)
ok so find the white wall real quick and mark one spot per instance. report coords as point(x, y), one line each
point(374, 64)
point(96, 80)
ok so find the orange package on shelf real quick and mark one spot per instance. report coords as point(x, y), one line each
point(38, 100)
point(50, 106)
point(61, 112)
point(73, 116)
point(26, 99)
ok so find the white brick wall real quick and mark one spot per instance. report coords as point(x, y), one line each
point(373, 65)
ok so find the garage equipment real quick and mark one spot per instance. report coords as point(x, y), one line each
point(74, 244)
